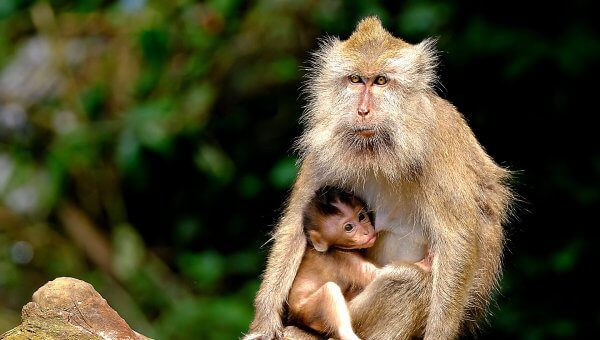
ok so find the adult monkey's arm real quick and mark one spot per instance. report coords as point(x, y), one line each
point(289, 243)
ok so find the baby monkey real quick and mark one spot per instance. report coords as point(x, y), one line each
point(334, 269)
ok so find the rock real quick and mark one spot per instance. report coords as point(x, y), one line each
point(68, 308)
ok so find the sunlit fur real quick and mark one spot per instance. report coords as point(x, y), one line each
point(403, 120)
point(423, 172)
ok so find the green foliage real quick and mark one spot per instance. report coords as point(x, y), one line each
point(145, 147)
point(205, 269)
point(214, 163)
point(423, 18)
point(283, 173)
point(129, 251)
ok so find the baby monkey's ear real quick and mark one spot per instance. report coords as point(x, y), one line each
point(317, 241)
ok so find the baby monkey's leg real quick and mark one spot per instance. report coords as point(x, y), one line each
point(326, 311)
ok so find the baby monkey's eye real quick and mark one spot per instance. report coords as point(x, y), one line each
point(361, 216)
point(348, 227)
point(381, 80)
point(354, 78)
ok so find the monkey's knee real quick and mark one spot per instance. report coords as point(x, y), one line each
point(406, 276)
point(394, 305)
point(295, 333)
point(332, 289)
point(397, 285)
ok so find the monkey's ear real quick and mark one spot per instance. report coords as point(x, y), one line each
point(427, 62)
point(415, 65)
point(317, 241)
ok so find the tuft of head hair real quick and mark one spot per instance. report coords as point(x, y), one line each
point(369, 33)
point(322, 205)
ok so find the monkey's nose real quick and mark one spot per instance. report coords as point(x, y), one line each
point(363, 111)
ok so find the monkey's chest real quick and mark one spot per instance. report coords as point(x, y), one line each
point(401, 236)
point(398, 245)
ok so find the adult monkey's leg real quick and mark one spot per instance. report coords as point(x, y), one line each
point(395, 305)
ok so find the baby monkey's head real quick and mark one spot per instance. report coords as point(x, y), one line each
point(336, 218)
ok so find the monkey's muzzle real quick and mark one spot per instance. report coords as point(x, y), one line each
point(365, 132)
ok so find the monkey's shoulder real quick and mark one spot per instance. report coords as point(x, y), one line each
point(336, 265)
point(335, 256)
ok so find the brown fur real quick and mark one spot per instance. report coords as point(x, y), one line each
point(431, 183)
point(326, 279)
point(347, 271)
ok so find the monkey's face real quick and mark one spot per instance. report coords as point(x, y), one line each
point(350, 229)
point(368, 102)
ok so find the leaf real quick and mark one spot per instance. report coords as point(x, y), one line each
point(128, 154)
point(285, 68)
point(128, 250)
point(214, 162)
point(565, 259)
point(151, 125)
point(250, 186)
point(205, 268)
point(283, 173)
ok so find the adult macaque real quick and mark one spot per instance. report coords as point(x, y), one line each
point(332, 270)
point(374, 126)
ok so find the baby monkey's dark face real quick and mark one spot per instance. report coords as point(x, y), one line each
point(350, 229)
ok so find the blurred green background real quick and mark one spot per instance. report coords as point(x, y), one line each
point(145, 147)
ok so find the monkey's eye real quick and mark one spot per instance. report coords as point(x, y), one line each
point(361, 216)
point(348, 227)
point(381, 80)
point(355, 79)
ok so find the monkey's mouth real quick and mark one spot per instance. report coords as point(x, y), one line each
point(367, 138)
point(365, 132)
point(370, 242)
